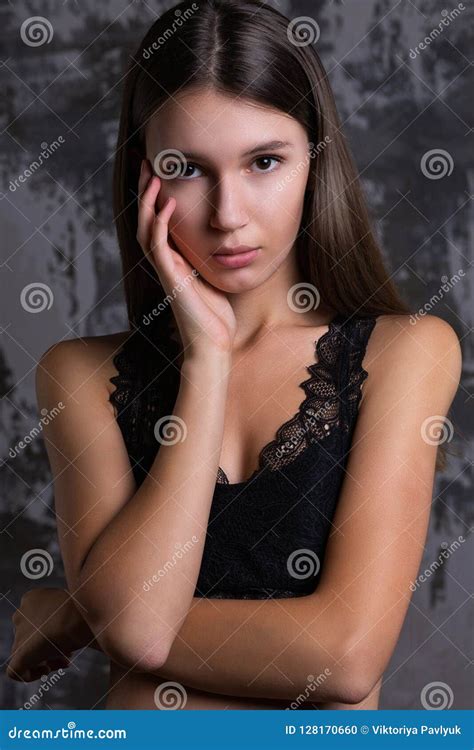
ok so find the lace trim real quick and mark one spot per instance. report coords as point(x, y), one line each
point(356, 373)
point(124, 382)
point(139, 402)
point(320, 411)
point(140, 369)
point(126, 400)
point(317, 415)
point(146, 387)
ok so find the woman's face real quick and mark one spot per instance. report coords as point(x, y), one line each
point(224, 195)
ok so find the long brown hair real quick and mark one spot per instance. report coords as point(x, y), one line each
point(245, 49)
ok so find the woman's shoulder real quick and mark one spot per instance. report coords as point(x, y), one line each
point(407, 348)
point(84, 364)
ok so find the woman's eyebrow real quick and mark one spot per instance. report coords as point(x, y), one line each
point(268, 146)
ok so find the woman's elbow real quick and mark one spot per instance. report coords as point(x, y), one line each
point(354, 689)
point(127, 644)
point(131, 638)
point(357, 674)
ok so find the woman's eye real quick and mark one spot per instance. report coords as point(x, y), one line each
point(268, 159)
point(185, 171)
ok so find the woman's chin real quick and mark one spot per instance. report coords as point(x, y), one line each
point(230, 284)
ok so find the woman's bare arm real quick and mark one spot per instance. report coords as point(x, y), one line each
point(220, 640)
point(351, 624)
point(114, 537)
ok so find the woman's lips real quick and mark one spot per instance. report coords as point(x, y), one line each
point(236, 261)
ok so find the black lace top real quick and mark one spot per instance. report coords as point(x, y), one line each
point(267, 535)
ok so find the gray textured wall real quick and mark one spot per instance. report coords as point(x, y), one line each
point(397, 103)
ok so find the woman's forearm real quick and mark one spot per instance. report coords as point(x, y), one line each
point(170, 510)
point(276, 649)
point(267, 649)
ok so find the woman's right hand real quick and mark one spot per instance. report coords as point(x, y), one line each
point(203, 314)
point(48, 628)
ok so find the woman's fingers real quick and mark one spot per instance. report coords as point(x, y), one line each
point(152, 226)
point(159, 238)
point(30, 652)
point(32, 672)
point(23, 668)
point(146, 212)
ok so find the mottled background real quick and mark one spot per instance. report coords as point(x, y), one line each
point(396, 106)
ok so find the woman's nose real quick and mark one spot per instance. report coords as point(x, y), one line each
point(227, 207)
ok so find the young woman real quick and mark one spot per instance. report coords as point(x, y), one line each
point(243, 479)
